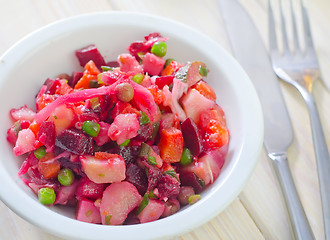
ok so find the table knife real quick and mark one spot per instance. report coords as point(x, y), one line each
point(251, 53)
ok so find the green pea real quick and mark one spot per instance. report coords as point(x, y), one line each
point(91, 128)
point(40, 152)
point(138, 78)
point(144, 119)
point(159, 49)
point(46, 196)
point(65, 177)
point(186, 157)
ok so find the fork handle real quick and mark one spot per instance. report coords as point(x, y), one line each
point(301, 227)
point(322, 160)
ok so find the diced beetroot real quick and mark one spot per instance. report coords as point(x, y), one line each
point(184, 194)
point(154, 174)
point(144, 132)
point(143, 47)
point(25, 142)
point(137, 176)
point(169, 120)
point(62, 117)
point(153, 35)
point(11, 135)
point(75, 141)
point(88, 189)
point(189, 178)
point(171, 206)
point(129, 153)
point(104, 170)
point(118, 200)
point(153, 64)
point(124, 126)
point(51, 85)
point(113, 64)
point(23, 113)
point(195, 103)
point(137, 47)
point(88, 115)
point(152, 211)
point(73, 163)
point(192, 136)
point(171, 145)
point(168, 187)
point(132, 218)
point(66, 193)
point(76, 76)
point(128, 63)
point(145, 101)
point(88, 53)
point(102, 137)
point(87, 212)
point(46, 135)
point(163, 80)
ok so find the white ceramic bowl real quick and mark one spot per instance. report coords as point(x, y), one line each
point(50, 51)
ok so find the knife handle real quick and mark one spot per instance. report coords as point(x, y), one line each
point(301, 227)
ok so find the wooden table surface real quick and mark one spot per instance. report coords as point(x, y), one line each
point(259, 211)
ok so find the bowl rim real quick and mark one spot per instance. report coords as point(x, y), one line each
point(233, 187)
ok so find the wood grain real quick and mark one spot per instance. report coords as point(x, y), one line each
point(259, 211)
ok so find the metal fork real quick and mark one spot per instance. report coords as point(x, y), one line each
point(300, 68)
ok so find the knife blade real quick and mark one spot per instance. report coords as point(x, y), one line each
point(251, 53)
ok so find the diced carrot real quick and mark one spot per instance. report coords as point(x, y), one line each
point(158, 94)
point(167, 167)
point(64, 88)
point(170, 69)
point(104, 155)
point(84, 81)
point(216, 135)
point(171, 145)
point(91, 68)
point(48, 166)
point(35, 128)
point(211, 114)
point(206, 90)
point(44, 100)
point(90, 73)
point(123, 108)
